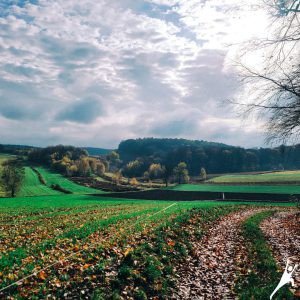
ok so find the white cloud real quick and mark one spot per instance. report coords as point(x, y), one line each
point(139, 68)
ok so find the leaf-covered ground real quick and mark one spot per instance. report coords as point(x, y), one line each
point(80, 247)
point(283, 234)
point(71, 245)
point(210, 272)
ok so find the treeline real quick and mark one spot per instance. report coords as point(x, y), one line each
point(69, 160)
point(15, 149)
point(138, 155)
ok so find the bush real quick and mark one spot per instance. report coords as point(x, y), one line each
point(133, 181)
point(57, 187)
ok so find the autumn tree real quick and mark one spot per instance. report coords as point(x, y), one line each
point(12, 178)
point(133, 168)
point(155, 171)
point(117, 177)
point(72, 170)
point(181, 173)
point(133, 181)
point(114, 159)
point(93, 162)
point(203, 174)
point(83, 166)
point(100, 168)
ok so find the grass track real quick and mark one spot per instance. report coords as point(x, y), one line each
point(263, 276)
point(269, 189)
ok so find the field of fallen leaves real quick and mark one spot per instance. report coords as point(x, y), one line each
point(70, 244)
point(85, 247)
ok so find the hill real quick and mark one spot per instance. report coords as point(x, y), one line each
point(33, 187)
point(97, 151)
point(214, 157)
point(132, 148)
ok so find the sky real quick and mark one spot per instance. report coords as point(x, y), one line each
point(93, 73)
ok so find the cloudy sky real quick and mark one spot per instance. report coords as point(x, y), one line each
point(92, 73)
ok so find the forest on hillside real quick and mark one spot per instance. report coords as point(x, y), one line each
point(214, 157)
point(136, 157)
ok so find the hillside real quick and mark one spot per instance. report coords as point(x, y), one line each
point(33, 187)
point(52, 178)
point(132, 148)
point(214, 157)
point(97, 151)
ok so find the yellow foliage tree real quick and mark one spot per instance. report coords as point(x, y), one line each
point(133, 181)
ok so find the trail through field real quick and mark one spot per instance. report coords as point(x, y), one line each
point(283, 234)
point(210, 273)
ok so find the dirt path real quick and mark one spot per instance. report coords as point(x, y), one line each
point(211, 272)
point(283, 234)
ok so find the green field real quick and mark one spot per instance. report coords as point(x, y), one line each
point(32, 186)
point(70, 201)
point(55, 178)
point(77, 239)
point(38, 230)
point(98, 233)
point(275, 177)
point(270, 189)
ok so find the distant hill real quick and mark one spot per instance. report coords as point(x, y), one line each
point(132, 148)
point(97, 151)
point(214, 157)
point(15, 149)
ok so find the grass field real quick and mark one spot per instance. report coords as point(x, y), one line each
point(69, 243)
point(32, 186)
point(274, 189)
point(55, 178)
point(39, 230)
point(72, 244)
point(275, 177)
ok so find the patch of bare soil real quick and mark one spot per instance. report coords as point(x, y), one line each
point(283, 236)
point(211, 272)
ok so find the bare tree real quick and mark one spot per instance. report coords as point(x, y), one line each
point(276, 86)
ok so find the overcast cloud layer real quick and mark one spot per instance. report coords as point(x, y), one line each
point(96, 72)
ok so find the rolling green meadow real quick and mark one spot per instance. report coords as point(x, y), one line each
point(274, 177)
point(56, 178)
point(64, 244)
point(243, 188)
point(33, 187)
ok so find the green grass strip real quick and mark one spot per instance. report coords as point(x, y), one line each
point(264, 276)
